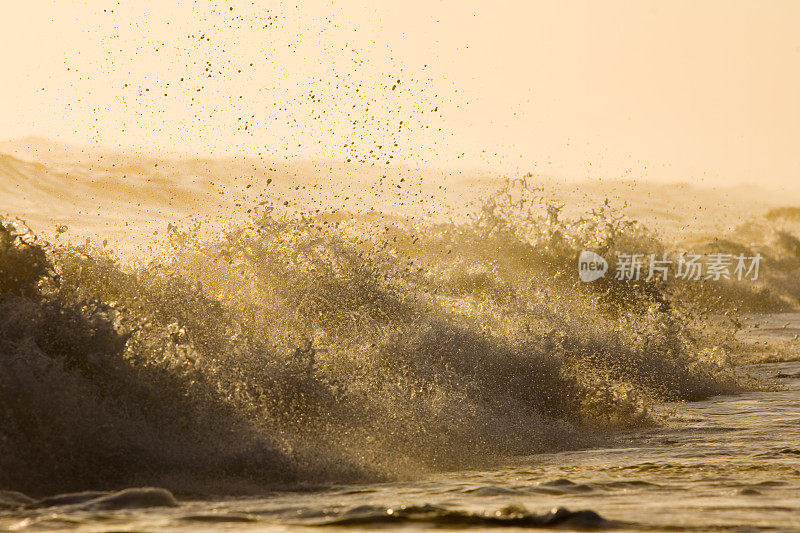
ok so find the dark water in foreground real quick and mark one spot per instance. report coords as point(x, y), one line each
point(731, 463)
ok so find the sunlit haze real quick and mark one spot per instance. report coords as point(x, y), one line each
point(679, 91)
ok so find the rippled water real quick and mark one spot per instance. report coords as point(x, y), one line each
point(731, 463)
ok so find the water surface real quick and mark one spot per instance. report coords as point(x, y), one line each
point(730, 463)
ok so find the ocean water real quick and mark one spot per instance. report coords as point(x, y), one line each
point(205, 345)
point(730, 463)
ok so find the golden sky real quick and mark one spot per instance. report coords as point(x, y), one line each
point(698, 90)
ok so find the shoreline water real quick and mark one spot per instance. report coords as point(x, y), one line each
point(721, 464)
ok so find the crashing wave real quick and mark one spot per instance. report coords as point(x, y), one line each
point(333, 348)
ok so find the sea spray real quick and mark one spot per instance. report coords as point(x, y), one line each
point(330, 348)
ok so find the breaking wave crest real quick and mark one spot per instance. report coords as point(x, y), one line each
point(333, 348)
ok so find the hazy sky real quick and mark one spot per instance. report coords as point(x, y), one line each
point(677, 90)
